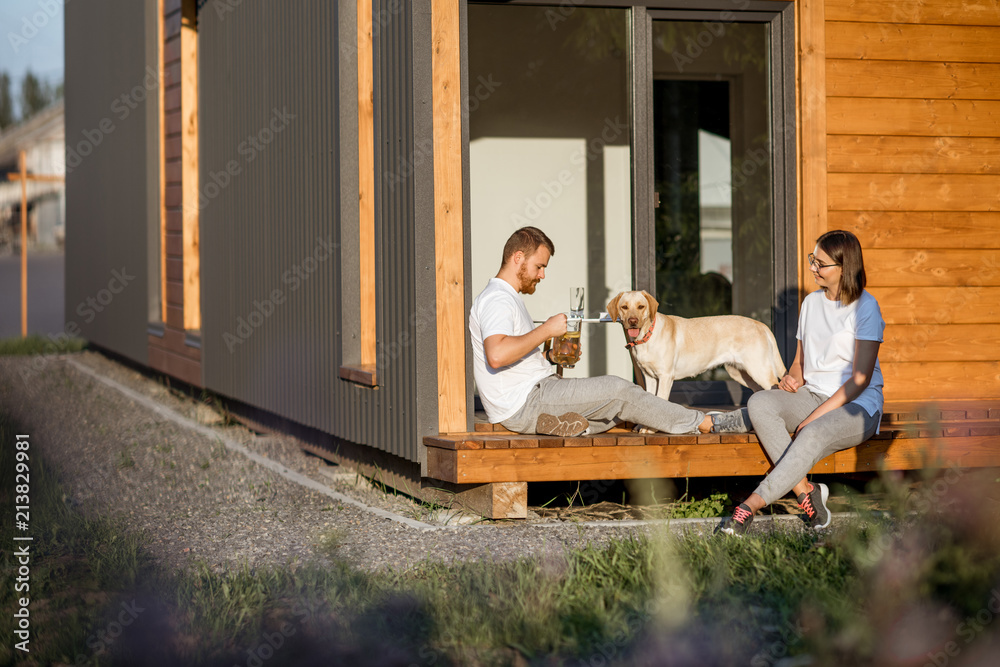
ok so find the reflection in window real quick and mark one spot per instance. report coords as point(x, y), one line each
point(712, 164)
point(549, 146)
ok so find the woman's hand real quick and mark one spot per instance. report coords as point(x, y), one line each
point(789, 384)
point(805, 422)
point(793, 378)
point(865, 356)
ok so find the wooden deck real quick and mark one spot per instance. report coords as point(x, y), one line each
point(912, 436)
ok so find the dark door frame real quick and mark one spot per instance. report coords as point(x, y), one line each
point(781, 18)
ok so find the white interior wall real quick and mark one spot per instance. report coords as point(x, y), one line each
point(542, 182)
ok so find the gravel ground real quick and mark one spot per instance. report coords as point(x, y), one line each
point(200, 501)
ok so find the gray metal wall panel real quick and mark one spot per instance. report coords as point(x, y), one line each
point(425, 281)
point(394, 216)
point(264, 221)
point(107, 89)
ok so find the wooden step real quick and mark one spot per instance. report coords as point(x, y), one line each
point(913, 435)
point(539, 464)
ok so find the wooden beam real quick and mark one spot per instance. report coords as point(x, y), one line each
point(920, 229)
point(913, 192)
point(37, 178)
point(189, 153)
point(903, 267)
point(935, 80)
point(500, 500)
point(939, 305)
point(23, 176)
point(702, 460)
point(448, 206)
point(940, 342)
point(162, 166)
point(366, 182)
point(913, 155)
point(22, 164)
point(917, 453)
point(366, 375)
point(932, 380)
point(916, 43)
point(812, 112)
point(915, 118)
point(977, 12)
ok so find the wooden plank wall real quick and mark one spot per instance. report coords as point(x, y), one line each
point(169, 353)
point(913, 158)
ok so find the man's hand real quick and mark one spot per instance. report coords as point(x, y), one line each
point(501, 350)
point(554, 326)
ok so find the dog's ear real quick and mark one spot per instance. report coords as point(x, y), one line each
point(613, 307)
point(653, 303)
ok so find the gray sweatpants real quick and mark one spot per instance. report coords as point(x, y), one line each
point(775, 412)
point(605, 400)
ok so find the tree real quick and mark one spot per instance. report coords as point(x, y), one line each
point(35, 95)
point(6, 102)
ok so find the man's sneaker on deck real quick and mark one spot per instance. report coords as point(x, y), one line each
point(738, 523)
point(737, 421)
point(566, 425)
point(814, 505)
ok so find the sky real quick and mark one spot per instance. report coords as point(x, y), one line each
point(36, 45)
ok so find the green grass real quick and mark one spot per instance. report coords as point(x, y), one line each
point(79, 568)
point(729, 601)
point(37, 344)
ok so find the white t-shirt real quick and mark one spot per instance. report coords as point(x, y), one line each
point(828, 331)
point(499, 310)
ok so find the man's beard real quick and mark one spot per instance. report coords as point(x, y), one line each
point(527, 285)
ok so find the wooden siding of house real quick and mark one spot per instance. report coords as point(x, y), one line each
point(912, 97)
point(169, 352)
point(448, 236)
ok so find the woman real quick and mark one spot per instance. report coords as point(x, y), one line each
point(831, 396)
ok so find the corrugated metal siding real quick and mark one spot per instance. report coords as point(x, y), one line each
point(266, 221)
point(394, 210)
point(106, 191)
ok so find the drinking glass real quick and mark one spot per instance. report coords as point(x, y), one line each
point(567, 346)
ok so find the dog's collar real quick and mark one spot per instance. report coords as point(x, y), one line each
point(652, 325)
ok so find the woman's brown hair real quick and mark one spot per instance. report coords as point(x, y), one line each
point(844, 248)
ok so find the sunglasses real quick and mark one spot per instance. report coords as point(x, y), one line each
point(815, 262)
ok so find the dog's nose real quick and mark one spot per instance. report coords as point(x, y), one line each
point(633, 321)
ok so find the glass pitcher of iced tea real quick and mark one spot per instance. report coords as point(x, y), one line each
point(567, 346)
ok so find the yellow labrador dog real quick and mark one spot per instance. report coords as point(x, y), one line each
point(666, 348)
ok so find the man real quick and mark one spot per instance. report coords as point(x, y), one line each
point(519, 387)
